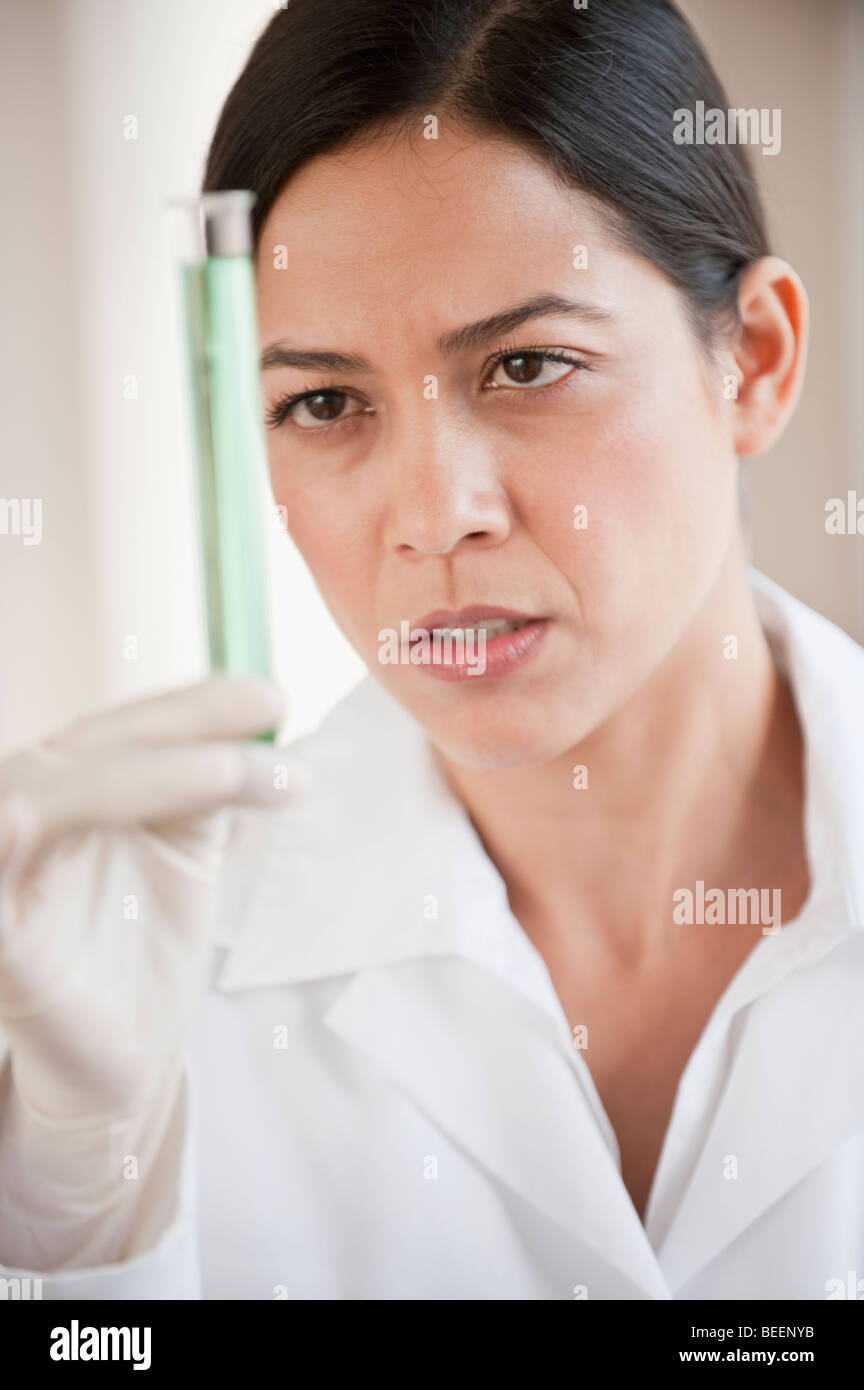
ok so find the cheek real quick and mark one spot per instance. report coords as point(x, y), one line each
point(636, 497)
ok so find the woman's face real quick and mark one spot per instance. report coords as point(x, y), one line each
point(439, 468)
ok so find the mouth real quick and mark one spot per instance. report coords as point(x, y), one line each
point(477, 643)
point(490, 621)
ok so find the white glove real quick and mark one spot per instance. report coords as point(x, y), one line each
point(111, 840)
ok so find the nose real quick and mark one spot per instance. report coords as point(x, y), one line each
point(445, 492)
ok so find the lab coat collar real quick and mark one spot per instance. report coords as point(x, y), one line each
point(378, 863)
point(793, 1098)
point(826, 672)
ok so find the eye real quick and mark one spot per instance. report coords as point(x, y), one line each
point(314, 410)
point(534, 368)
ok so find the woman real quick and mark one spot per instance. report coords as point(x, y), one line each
point(547, 985)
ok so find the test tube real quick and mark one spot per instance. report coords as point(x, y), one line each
point(211, 239)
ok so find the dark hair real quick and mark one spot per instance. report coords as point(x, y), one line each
point(591, 90)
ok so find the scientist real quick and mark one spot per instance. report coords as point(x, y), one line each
point(427, 1025)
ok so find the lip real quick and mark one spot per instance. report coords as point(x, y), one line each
point(504, 654)
point(466, 617)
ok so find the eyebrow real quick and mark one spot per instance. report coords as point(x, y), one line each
point(472, 335)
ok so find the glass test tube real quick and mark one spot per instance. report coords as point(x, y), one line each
point(212, 249)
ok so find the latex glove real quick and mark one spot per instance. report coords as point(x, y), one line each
point(111, 839)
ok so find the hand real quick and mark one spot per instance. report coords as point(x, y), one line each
point(111, 841)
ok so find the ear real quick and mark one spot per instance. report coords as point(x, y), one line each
point(769, 353)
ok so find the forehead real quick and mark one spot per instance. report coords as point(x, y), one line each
point(452, 226)
point(392, 185)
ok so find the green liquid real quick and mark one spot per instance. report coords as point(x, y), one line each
point(221, 332)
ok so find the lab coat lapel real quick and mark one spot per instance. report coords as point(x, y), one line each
point(793, 1097)
point(351, 874)
point(491, 1070)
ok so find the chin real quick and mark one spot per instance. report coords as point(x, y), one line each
point(495, 746)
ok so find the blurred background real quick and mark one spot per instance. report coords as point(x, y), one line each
point(106, 606)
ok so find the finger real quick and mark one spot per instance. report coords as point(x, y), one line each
point(222, 707)
point(127, 786)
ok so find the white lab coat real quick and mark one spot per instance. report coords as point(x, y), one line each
point(383, 1099)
